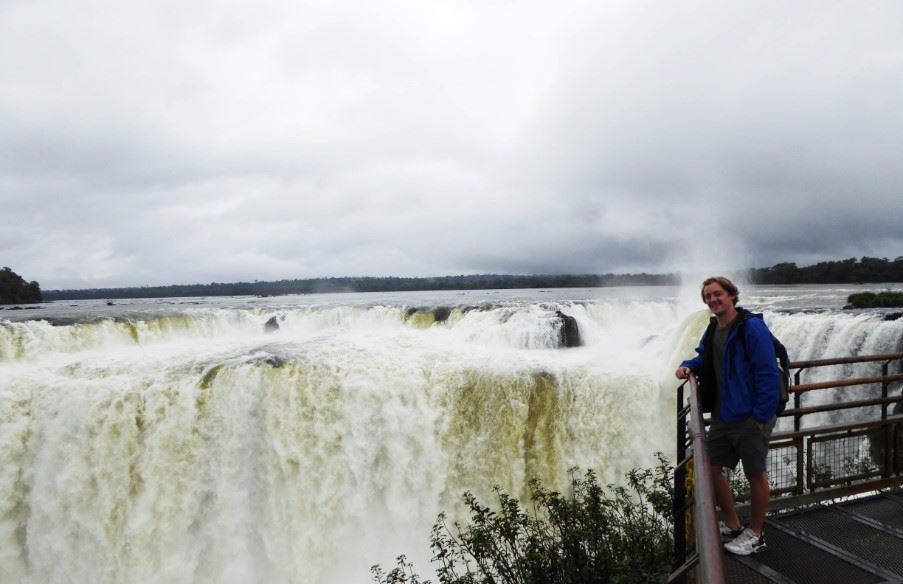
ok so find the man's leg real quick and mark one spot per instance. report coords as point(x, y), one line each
point(754, 453)
point(752, 540)
point(759, 492)
point(724, 497)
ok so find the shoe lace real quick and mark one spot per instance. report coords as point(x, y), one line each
point(748, 536)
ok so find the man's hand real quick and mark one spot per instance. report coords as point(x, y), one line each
point(683, 373)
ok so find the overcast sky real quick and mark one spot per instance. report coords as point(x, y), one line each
point(158, 142)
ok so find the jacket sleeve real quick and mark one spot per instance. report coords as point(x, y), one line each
point(766, 379)
point(695, 364)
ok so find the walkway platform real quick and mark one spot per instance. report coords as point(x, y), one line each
point(854, 542)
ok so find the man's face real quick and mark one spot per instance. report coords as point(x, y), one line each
point(717, 299)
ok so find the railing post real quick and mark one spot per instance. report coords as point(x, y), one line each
point(800, 445)
point(889, 430)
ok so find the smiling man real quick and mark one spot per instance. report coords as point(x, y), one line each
point(740, 385)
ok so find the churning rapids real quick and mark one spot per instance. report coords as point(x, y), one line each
point(171, 441)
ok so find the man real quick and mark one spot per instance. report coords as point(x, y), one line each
point(740, 385)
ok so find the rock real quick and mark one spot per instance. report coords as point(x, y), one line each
point(426, 317)
point(893, 315)
point(271, 325)
point(274, 361)
point(441, 313)
point(568, 331)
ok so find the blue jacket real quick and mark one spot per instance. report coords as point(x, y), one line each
point(752, 382)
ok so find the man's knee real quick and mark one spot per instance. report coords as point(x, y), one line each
point(757, 480)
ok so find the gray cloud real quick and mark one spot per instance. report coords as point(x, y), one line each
point(149, 143)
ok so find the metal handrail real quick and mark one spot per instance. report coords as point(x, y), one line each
point(708, 539)
point(703, 516)
point(845, 360)
point(804, 387)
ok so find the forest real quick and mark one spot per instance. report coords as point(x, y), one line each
point(849, 271)
point(368, 284)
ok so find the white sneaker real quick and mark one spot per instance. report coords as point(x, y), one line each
point(727, 534)
point(746, 543)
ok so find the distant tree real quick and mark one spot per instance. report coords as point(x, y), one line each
point(865, 270)
point(15, 290)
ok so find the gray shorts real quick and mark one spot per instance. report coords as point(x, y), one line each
point(735, 441)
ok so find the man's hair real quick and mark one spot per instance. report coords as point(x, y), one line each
point(728, 286)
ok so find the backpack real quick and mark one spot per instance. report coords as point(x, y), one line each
point(783, 363)
point(784, 369)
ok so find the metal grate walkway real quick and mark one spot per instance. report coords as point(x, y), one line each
point(855, 542)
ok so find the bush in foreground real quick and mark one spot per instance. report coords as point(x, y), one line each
point(594, 534)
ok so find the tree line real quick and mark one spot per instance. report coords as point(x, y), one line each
point(849, 271)
point(866, 270)
point(369, 284)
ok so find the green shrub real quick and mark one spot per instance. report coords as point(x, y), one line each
point(872, 300)
point(618, 534)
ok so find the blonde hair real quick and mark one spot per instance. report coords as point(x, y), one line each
point(728, 286)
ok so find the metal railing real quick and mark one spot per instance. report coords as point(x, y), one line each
point(845, 438)
point(843, 441)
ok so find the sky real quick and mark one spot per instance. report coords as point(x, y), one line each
point(163, 142)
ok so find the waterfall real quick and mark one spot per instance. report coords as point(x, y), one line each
point(196, 447)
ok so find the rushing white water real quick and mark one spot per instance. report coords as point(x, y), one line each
point(191, 446)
